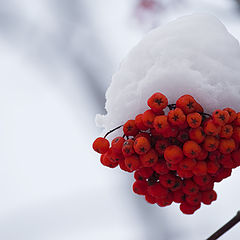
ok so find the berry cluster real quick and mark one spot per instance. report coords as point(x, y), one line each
point(176, 155)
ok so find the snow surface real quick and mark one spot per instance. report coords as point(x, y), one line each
point(192, 55)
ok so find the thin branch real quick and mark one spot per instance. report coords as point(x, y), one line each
point(226, 227)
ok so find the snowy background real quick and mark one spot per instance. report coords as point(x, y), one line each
point(57, 59)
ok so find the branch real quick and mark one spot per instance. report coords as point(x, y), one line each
point(226, 227)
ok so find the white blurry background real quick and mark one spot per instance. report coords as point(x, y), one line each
point(56, 61)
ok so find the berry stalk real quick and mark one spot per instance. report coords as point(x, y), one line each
point(225, 227)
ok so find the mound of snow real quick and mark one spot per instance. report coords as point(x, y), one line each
point(192, 55)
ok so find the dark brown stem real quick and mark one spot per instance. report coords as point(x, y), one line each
point(226, 227)
point(112, 131)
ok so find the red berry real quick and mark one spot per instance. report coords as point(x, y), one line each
point(191, 149)
point(149, 159)
point(173, 154)
point(140, 187)
point(176, 117)
point(117, 144)
point(194, 120)
point(148, 118)
point(157, 102)
point(101, 145)
point(130, 128)
point(139, 122)
point(209, 196)
point(141, 145)
point(132, 162)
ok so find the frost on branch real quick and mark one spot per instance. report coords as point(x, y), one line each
point(192, 55)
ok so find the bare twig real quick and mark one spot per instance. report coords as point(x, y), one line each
point(226, 227)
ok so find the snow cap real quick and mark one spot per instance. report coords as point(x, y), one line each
point(193, 55)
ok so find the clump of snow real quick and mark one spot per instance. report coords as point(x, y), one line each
point(192, 55)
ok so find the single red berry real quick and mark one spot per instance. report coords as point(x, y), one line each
point(130, 128)
point(226, 146)
point(195, 199)
point(211, 128)
point(191, 149)
point(148, 118)
point(202, 155)
point(141, 145)
point(160, 167)
point(178, 196)
point(187, 103)
point(127, 148)
point(139, 122)
point(194, 120)
point(186, 208)
point(173, 154)
point(226, 131)
point(117, 144)
point(149, 159)
point(200, 169)
point(187, 164)
point(189, 187)
point(209, 196)
point(167, 180)
point(197, 134)
point(101, 145)
point(157, 102)
point(161, 124)
point(210, 143)
point(140, 187)
point(176, 117)
point(220, 117)
point(202, 180)
point(132, 162)
point(163, 202)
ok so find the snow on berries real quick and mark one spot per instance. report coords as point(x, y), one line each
point(176, 151)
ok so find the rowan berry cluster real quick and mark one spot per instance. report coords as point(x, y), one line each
point(178, 154)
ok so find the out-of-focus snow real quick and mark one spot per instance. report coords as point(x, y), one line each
point(192, 55)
